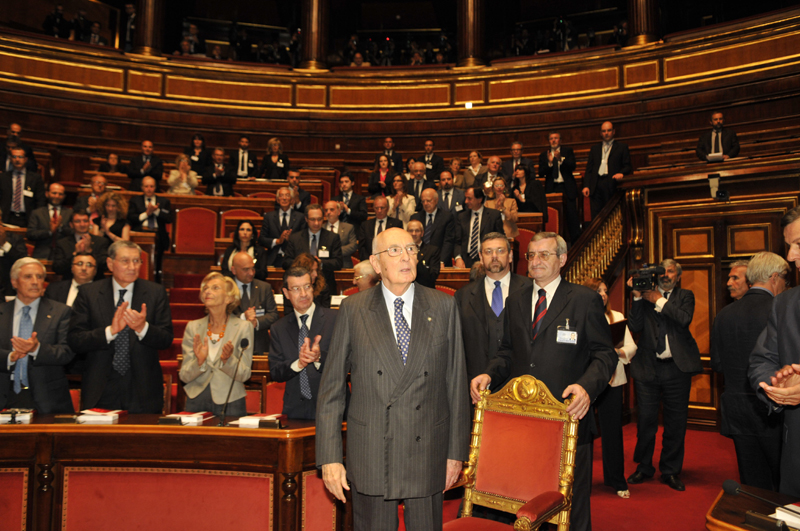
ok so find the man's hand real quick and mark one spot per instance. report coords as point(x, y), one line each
point(227, 350)
point(580, 403)
point(118, 322)
point(585, 192)
point(136, 320)
point(250, 315)
point(636, 293)
point(200, 349)
point(785, 388)
point(478, 384)
point(308, 353)
point(24, 346)
point(550, 156)
point(284, 236)
point(151, 208)
point(335, 477)
point(460, 263)
point(54, 224)
point(146, 166)
point(91, 202)
point(617, 176)
point(651, 295)
point(84, 244)
point(453, 471)
point(16, 356)
point(344, 207)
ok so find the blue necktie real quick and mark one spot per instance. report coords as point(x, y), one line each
point(21, 367)
point(122, 344)
point(497, 299)
point(403, 331)
point(305, 386)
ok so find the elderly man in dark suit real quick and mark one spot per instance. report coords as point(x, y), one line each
point(120, 323)
point(408, 421)
point(493, 171)
point(257, 303)
point(428, 261)
point(510, 166)
point(79, 241)
point(145, 165)
point(718, 141)
point(557, 332)
point(21, 190)
point(319, 242)
point(346, 232)
point(472, 224)
point(353, 205)
point(49, 223)
point(374, 226)
point(609, 161)
point(662, 371)
point(557, 168)
point(774, 369)
point(33, 345)
point(756, 435)
point(219, 177)
point(278, 225)
point(419, 183)
point(12, 248)
point(438, 224)
point(151, 213)
point(300, 342)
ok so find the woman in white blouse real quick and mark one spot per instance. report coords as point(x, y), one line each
point(184, 179)
point(401, 205)
point(609, 403)
point(473, 169)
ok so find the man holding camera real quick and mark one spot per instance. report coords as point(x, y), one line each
point(667, 359)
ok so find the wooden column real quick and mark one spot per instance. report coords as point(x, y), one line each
point(470, 33)
point(149, 27)
point(315, 34)
point(642, 21)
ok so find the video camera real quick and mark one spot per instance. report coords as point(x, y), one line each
point(646, 278)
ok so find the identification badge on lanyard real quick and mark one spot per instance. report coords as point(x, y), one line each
point(567, 336)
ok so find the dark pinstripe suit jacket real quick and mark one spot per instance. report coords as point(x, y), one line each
point(404, 422)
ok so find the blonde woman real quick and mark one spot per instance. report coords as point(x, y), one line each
point(275, 166)
point(184, 179)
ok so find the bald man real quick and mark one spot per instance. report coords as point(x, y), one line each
point(439, 225)
point(145, 165)
point(346, 232)
point(609, 161)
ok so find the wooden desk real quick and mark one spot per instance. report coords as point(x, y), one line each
point(137, 473)
point(728, 511)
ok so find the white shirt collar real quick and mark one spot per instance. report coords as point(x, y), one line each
point(309, 313)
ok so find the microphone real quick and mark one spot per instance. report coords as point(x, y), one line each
point(242, 346)
point(733, 488)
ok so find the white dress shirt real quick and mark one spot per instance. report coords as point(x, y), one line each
point(408, 304)
point(128, 297)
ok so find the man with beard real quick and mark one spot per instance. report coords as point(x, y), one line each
point(450, 197)
point(737, 279)
point(667, 359)
point(718, 141)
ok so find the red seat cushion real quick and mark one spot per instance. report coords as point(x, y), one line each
point(476, 524)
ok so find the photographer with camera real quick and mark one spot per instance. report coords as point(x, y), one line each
point(662, 370)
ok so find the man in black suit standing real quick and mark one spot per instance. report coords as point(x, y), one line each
point(434, 164)
point(472, 224)
point(257, 304)
point(300, 342)
point(557, 332)
point(395, 158)
point(428, 261)
point(419, 183)
point(481, 304)
point(662, 371)
point(219, 178)
point(12, 248)
point(439, 225)
point(243, 159)
point(510, 166)
point(609, 161)
point(756, 435)
point(94, 36)
point(33, 345)
point(121, 323)
point(718, 141)
point(48, 224)
point(374, 226)
point(13, 140)
point(145, 165)
point(450, 197)
point(83, 269)
point(353, 205)
point(151, 213)
point(301, 198)
point(318, 242)
point(278, 225)
point(79, 241)
point(21, 190)
point(557, 167)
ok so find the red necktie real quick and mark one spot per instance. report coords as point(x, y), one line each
point(539, 313)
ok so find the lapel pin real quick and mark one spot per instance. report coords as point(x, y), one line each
point(429, 318)
point(48, 317)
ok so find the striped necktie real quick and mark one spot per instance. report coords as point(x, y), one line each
point(473, 238)
point(540, 312)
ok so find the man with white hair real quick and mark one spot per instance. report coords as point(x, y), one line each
point(33, 345)
point(364, 276)
point(737, 279)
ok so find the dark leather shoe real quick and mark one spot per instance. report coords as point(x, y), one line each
point(637, 477)
point(674, 483)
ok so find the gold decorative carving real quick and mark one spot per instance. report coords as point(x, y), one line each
point(596, 256)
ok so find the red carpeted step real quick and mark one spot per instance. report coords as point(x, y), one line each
point(187, 280)
point(172, 352)
point(187, 311)
point(178, 326)
point(184, 295)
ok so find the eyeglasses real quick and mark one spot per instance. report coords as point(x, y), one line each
point(359, 277)
point(543, 255)
point(396, 251)
point(500, 251)
point(125, 262)
point(18, 156)
point(299, 289)
point(88, 265)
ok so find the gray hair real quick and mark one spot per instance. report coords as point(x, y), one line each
point(119, 244)
point(665, 263)
point(740, 263)
point(763, 265)
point(364, 268)
point(561, 245)
point(790, 217)
point(22, 262)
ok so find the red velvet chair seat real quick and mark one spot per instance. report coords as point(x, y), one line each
point(476, 524)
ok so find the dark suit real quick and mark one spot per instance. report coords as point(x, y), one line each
point(358, 210)
point(33, 185)
point(411, 189)
point(602, 187)
point(101, 41)
point(444, 232)
point(299, 243)
point(271, 230)
point(729, 144)
point(140, 390)
point(654, 377)
point(428, 264)
point(535, 199)
point(395, 160)
point(778, 346)
point(404, 421)
point(31, 165)
point(163, 217)
point(482, 178)
point(303, 200)
point(274, 171)
point(347, 235)
point(17, 250)
point(39, 231)
point(436, 167)
point(259, 257)
point(58, 291)
point(199, 162)
point(284, 352)
point(263, 300)
point(756, 435)
point(226, 180)
point(568, 189)
point(506, 168)
point(46, 375)
point(65, 247)
point(491, 221)
point(374, 184)
point(368, 234)
point(590, 363)
point(136, 175)
point(236, 163)
point(456, 201)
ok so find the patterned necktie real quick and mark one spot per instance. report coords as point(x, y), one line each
point(305, 386)
point(497, 299)
point(245, 298)
point(21, 367)
point(426, 237)
point(403, 331)
point(122, 344)
point(17, 206)
point(347, 199)
point(473, 238)
point(313, 247)
point(539, 313)
point(662, 330)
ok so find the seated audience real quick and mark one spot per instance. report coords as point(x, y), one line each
point(718, 141)
point(300, 343)
point(145, 165)
point(35, 349)
point(21, 190)
point(346, 232)
point(219, 177)
point(88, 203)
point(474, 169)
point(151, 213)
point(12, 248)
point(217, 351)
point(94, 36)
point(216, 54)
point(112, 165)
point(84, 267)
point(112, 218)
point(49, 223)
point(244, 159)
point(184, 49)
point(428, 256)
point(199, 155)
point(245, 240)
point(275, 166)
point(381, 178)
point(184, 179)
point(528, 193)
point(507, 206)
point(457, 172)
point(401, 205)
point(79, 241)
point(258, 305)
point(364, 276)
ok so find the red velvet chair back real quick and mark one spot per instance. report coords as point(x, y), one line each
point(230, 218)
point(195, 228)
point(523, 239)
point(552, 224)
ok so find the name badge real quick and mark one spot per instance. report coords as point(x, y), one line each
point(260, 312)
point(280, 164)
point(195, 158)
point(27, 193)
point(566, 335)
point(323, 253)
point(429, 166)
point(459, 208)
